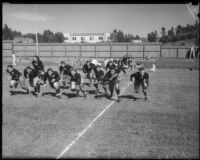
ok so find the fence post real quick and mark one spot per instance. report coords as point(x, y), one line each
point(110, 50)
point(25, 50)
point(95, 54)
point(80, 51)
point(143, 51)
point(176, 52)
point(160, 51)
point(65, 51)
point(51, 50)
point(127, 49)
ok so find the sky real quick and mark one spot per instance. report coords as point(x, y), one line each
point(138, 19)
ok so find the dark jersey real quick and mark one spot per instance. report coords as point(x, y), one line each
point(111, 78)
point(54, 75)
point(88, 69)
point(38, 65)
point(124, 60)
point(119, 69)
point(15, 74)
point(66, 69)
point(76, 78)
point(108, 66)
point(98, 74)
point(138, 77)
point(33, 73)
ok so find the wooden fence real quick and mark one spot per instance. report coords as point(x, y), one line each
point(97, 50)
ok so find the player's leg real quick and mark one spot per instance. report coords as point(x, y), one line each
point(36, 84)
point(117, 88)
point(105, 87)
point(144, 89)
point(96, 86)
point(64, 80)
point(136, 86)
point(12, 84)
point(57, 88)
point(22, 84)
point(81, 88)
point(111, 89)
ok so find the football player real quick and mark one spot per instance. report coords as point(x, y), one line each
point(76, 82)
point(15, 78)
point(64, 71)
point(53, 78)
point(141, 78)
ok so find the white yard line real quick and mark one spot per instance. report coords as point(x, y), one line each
point(90, 124)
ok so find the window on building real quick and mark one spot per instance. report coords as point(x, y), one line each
point(74, 38)
point(66, 38)
point(100, 38)
point(82, 38)
point(92, 38)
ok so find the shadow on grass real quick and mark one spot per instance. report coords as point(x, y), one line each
point(91, 91)
point(69, 95)
point(51, 94)
point(130, 97)
point(64, 87)
point(18, 92)
point(101, 96)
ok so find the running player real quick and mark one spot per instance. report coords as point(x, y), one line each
point(112, 77)
point(98, 77)
point(53, 78)
point(141, 78)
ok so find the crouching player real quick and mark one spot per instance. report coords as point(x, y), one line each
point(31, 75)
point(88, 70)
point(76, 81)
point(98, 77)
point(53, 78)
point(64, 70)
point(141, 78)
point(113, 82)
point(15, 79)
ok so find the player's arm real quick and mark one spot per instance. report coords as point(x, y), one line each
point(78, 78)
point(132, 76)
point(84, 68)
point(57, 77)
point(146, 76)
point(60, 70)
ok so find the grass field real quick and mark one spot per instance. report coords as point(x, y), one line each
point(166, 126)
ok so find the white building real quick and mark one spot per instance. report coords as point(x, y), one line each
point(86, 37)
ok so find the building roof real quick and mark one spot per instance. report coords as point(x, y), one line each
point(87, 34)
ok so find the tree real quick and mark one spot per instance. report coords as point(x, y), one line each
point(30, 35)
point(152, 37)
point(7, 33)
point(59, 37)
point(48, 36)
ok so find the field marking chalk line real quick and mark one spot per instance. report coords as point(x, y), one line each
point(91, 123)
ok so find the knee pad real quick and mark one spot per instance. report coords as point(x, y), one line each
point(56, 85)
point(73, 85)
point(12, 83)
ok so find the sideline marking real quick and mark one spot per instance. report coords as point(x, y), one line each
point(91, 123)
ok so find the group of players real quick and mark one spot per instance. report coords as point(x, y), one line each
point(94, 72)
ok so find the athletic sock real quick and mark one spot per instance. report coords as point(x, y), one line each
point(118, 91)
